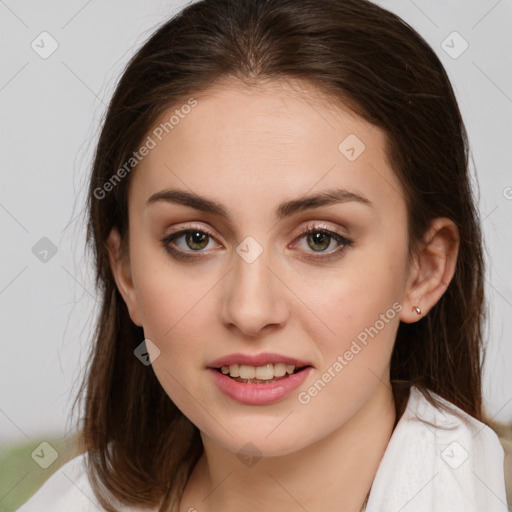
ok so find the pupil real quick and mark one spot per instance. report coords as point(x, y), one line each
point(319, 239)
point(197, 240)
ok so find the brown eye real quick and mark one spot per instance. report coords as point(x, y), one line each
point(183, 244)
point(318, 241)
point(196, 240)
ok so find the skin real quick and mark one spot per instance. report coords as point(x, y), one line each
point(250, 148)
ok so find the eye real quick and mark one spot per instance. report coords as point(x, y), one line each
point(319, 239)
point(182, 244)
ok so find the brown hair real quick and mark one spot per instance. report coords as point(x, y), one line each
point(141, 449)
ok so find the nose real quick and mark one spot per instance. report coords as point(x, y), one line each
point(254, 299)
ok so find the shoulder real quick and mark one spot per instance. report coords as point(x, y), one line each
point(68, 489)
point(440, 459)
point(449, 424)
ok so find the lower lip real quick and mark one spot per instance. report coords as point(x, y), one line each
point(259, 394)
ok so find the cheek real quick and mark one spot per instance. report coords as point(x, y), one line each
point(357, 309)
point(361, 317)
point(177, 310)
point(160, 304)
point(166, 294)
point(175, 315)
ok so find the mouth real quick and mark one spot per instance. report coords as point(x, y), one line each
point(259, 379)
point(265, 374)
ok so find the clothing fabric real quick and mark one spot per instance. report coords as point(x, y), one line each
point(435, 461)
point(439, 461)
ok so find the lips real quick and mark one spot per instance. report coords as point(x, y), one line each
point(257, 360)
point(251, 393)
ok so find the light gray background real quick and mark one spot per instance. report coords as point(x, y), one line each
point(50, 112)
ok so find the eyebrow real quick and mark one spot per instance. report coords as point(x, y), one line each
point(285, 209)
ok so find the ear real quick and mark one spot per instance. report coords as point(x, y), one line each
point(432, 269)
point(120, 265)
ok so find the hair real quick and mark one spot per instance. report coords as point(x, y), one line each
point(141, 448)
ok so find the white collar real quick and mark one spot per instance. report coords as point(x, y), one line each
point(439, 461)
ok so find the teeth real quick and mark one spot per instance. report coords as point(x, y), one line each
point(279, 369)
point(267, 372)
point(247, 372)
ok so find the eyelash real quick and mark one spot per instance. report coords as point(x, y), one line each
point(310, 229)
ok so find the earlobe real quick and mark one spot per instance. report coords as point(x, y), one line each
point(120, 265)
point(433, 269)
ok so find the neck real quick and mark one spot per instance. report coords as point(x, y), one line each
point(334, 473)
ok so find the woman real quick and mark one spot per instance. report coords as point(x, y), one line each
point(290, 262)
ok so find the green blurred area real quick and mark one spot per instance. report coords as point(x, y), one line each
point(21, 476)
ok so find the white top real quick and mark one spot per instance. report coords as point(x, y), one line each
point(434, 461)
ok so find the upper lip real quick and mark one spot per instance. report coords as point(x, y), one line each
point(257, 360)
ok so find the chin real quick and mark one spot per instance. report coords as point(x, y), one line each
point(261, 441)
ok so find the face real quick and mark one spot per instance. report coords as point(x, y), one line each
point(240, 264)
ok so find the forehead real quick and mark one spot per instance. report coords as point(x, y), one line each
point(266, 142)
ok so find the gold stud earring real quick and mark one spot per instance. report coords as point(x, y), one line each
point(417, 309)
